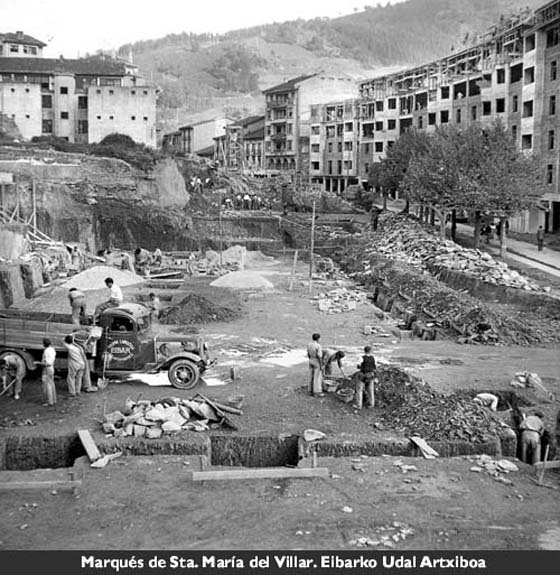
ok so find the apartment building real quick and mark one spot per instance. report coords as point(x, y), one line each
point(17, 44)
point(288, 119)
point(80, 100)
point(241, 147)
point(511, 73)
point(334, 145)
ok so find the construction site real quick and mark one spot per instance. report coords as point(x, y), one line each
point(201, 432)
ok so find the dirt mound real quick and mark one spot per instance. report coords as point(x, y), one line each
point(414, 408)
point(94, 278)
point(195, 308)
point(243, 280)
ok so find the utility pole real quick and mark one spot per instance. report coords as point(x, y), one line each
point(221, 236)
point(312, 247)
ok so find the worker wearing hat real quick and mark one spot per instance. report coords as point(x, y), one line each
point(532, 429)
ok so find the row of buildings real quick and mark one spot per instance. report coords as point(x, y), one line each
point(80, 100)
point(329, 131)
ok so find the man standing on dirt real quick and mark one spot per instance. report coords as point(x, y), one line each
point(540, 238)
point(76, 366)
point(365, 379)
point(47, 378)
point(315, 355)
point(532, 429)
point(13, 366)
point(78, 304)
point(142, 260)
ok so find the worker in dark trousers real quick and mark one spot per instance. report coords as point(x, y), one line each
point(532, 429)
point(365, 379)
point(315, 355)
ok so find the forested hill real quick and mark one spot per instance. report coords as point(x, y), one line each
point(228, 71)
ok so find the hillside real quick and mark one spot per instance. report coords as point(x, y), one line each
point(226, 73)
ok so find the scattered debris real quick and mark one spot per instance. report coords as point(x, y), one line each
point(495, 468)
point(384, 535)
point(196, 309)
point(340, 300)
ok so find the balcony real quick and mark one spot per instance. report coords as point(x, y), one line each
point(278, 137)
point(280, 104)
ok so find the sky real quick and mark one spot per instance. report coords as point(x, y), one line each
point(73, 28)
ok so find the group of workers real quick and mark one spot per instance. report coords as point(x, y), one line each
point(245, 201)
point(321, 363)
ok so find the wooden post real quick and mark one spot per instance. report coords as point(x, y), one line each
point(293, 275)
point(312, 247)
point(17, 201)
point(34, 197)
point(221, 237)
point(503, 246)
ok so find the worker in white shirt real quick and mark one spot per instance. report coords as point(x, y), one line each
point(115, 298)
point(487, 400)
point(47, 378)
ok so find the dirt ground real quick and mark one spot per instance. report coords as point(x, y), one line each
point(446, 505)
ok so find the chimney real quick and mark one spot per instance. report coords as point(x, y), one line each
point(19, 35)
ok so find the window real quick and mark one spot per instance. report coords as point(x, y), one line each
point(146, 119)
point(14, 48)
point(82, 126)
point(390, 143)
point(458, 116)
point(12, 90)
point(366, 167)
point(526, 141)
point(445, 93)
point(27, 90)
point(30, 50)
point(528, 109)
point(432, 119)
point(392, 103)
point(133, 118)
point(82, 102)
point(551, 139)
point(552, 37)
point(315, 148)
point(145, 92)
point(315, 165)
point(99, 117)
point(27, 116)
point(444, 116)
point(552, 105)
point(330, 167)
point(378, 126)
point(46, 101)
point(98, 91)
point(515, 104)
point(500, 76)
point(530, 43)
point(133, 92)
point(340, 166)
point(500, 105)
point(315, 130)
point(549, 174)
point(111, 92)
point(486, 108)
point(64, 115)
point(391, 125)
point(330, 147)
point(553, 70)
point(348, 146)
point(515, 73)
point(64, 89)
point(111, 117)
point(379, 106)
point(514, 133)
point(379, 147)
point(46, 127)
point(348, 127)
point(120, 323)
point(473, 113)
point(529, 75)
point(339, 146)
point(420, 122)
point(348, 165)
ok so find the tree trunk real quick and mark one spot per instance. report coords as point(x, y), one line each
point(454, 225)
point(476, 229)
point(503, 241)
point(407, 207)
point(384, 201)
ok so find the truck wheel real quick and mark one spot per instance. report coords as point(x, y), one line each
point(183, 374)
point(5, 353)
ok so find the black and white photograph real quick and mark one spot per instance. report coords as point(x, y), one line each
point(279, 286)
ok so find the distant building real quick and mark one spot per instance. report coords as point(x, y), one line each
point(18, 44)
point(241, 146)
point(200, 135)
point(512, 74)
point(80, 100)
point(288, 115)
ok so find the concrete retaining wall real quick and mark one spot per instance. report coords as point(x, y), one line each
point(11, 285)
point(12, 241)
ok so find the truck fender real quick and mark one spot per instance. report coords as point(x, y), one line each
point(25, 355)
point(196, 359)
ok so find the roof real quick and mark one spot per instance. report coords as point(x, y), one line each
point(290, 85)
point(257, 134)
point(208, 151)
point(244, 122)
point(19, 38)
point(83, 66)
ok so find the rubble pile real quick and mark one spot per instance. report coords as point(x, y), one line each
point(195, 309)
point(495, 468)
point(412, 407)
point(383, 535)
point(339, 300)
point(402, 238)
point(153, 419)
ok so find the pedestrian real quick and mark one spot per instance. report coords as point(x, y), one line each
point(331, 356)
point(78, 305)
point(239, 202)
point(47, 377)
point(142, 260)
point(158, 257)
point(76, 366)
point(12, 366)
point(75, 261)
point(246, 201)
point(540, 238)
point(532, 429)
point(115, 298)
point(155, 306)
point(315, 355)
point(365, 380)
point(191, 260)
point(487, 400)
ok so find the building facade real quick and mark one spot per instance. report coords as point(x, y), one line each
point(80, 100)
point(241, 146)
point(288, 119)
point(17, 44)
point(510, 74)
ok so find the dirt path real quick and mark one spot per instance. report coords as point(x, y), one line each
point(452, 508)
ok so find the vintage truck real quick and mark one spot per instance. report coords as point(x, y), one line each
point(122, 343)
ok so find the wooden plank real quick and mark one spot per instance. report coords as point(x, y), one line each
point(555, 464)
point(89, 445)
point(17, 485)
point(427, 451)
point(260, 473)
